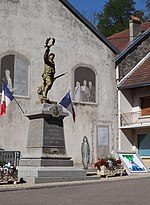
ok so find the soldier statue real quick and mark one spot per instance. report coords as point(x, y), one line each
point(48, 73)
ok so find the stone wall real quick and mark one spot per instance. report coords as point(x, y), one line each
point(132, 59)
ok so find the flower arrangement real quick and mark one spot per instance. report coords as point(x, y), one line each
point(108, 162)
point(7, 172)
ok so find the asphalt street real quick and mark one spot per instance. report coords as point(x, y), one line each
point(109, 192)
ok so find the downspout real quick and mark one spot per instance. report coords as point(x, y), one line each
point(118, 112)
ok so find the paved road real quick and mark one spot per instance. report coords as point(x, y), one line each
point(124, 192)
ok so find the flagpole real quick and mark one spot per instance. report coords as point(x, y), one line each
point(19, 105)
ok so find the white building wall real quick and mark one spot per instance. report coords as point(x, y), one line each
point(130, 103)
point(126, 99)
point(126, 142)
point(25, 27)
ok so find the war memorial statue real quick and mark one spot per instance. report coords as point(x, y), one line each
point(48, 73)
point(46, 149)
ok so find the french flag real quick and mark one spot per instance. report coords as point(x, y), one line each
point(7, 97)
point(67, 103)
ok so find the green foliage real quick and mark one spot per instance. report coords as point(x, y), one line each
point(115, 16)
point(2, 163)
point(148, 7)
point(112, 159)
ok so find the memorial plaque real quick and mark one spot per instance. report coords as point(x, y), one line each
point(46, 131)
point(103, 139)
point(53, 134)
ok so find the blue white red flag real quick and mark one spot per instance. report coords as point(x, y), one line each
point(6, 98)
point(67, 103)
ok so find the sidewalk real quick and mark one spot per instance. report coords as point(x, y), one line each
point(26, 186)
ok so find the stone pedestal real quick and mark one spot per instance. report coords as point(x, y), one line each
point(46, 142)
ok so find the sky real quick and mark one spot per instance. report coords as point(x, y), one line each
point(90, 6)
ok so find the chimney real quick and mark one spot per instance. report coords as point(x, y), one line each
point(134, 27)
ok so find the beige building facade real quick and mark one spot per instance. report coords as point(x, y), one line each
point(82, 52)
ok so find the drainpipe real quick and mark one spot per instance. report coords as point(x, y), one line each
point(118, 96)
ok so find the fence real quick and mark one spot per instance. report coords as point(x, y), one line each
point(10, 156)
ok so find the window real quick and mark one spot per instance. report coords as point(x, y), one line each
point(84, 85)
point(144, 144)
point(14, 72)
point(145, 106)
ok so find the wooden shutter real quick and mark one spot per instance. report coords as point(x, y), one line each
point(145, 106)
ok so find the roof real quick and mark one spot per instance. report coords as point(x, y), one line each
point(121, 40)
point(139, 76)
point(89, 26)
point(137, 41)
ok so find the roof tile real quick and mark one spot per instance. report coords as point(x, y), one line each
point(121, 40)
point(140, 77)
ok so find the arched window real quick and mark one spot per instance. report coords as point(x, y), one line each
point(14, 71)
point(84, 85)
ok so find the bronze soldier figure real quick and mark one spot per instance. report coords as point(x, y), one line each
point(48, 73)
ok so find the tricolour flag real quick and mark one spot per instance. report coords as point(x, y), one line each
point(67, 103)
point(6, 98)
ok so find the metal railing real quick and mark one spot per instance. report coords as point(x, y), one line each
point(10, 156)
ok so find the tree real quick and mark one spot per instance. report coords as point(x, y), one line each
point(148, 7)
point(115, 16)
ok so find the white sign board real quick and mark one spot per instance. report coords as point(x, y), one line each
point(133, 163)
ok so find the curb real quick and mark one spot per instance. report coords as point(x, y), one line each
point(17, 187)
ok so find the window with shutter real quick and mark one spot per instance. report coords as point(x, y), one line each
point(145, 106)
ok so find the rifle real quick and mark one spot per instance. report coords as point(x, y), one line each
point(59, 76)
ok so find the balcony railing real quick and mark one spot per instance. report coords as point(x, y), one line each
point(131, 118)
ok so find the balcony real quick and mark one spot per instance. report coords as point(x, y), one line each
point(134, 119)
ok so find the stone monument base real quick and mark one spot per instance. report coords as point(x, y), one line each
point(46, 143)
point(36, 175)
point(47, 161)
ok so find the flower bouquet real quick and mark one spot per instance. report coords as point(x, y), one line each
point(8, 172)
point(109, 166)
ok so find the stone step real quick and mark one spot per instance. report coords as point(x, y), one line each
point(47, 162)
point(54, 174)
point(38, 180)
point(62, 173)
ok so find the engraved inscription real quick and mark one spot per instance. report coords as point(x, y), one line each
point(54, 151)
point(53, 135)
